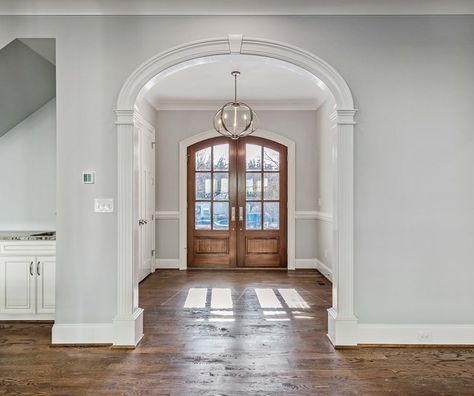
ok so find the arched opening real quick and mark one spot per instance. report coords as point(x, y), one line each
point(129, 320)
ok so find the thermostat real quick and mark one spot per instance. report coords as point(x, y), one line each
point(88, 177)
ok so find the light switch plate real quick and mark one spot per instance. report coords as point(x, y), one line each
point(88, 177)
point(103, 205)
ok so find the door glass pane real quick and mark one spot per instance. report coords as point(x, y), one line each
point(253, 186)
point(203, 186)
point(203, 159)
point(203, 215)
point(221, 186)
point(221, 216)
point(253, 156)
point(221, 157)
point(253, 216)
point(271, 216)
point(271, 186)
point(271, 159)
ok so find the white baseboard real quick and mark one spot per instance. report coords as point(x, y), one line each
point(314, 263)
point(306, 264)
point(167, 264)
point(421, 334)
point(83, 333)
point(324, 269)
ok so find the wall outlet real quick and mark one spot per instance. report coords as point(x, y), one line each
point(425, 337)
point(103, 205)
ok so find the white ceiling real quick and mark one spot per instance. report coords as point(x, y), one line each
point(240, 7)
point(264, 84)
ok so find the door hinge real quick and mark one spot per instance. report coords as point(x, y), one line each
point(153, 252)
point(152, 145)
point(153, 217)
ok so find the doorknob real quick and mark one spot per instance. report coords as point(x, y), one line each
point(142, 222)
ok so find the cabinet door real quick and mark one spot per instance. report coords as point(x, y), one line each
point(45, 269)
point(17, 285)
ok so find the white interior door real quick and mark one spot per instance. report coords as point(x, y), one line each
point(46, 283)
point(146, 202)
point(17, 285)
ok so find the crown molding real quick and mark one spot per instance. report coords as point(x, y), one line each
point(243, 7)
point(213, 105)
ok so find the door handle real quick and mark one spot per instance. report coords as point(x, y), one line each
point(142, 222)
point(38, 268)
point(241, 217)
point(232, 214)
point(31, 268)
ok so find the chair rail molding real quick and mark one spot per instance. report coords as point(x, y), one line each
point(167, 215)
point(342, 322)
point(313, 215)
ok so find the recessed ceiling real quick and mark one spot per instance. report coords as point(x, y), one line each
point(241, 7)
point(207, 83)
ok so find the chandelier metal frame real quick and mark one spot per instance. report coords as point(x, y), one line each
point(220, 121)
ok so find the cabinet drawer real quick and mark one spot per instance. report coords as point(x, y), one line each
point(20, 248)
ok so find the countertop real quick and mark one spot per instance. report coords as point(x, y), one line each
point(27, 235)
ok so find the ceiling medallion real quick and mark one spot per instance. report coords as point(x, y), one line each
point(235, 119)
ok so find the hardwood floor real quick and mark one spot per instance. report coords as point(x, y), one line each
point(192, 351)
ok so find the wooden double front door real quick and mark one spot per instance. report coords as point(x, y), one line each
point(237, 203)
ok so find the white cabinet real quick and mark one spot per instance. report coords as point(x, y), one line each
point(17, 286)
point(27, 282)
point(45, 284)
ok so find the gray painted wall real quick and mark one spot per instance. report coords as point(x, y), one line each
point(28, 173)
point(414, 149)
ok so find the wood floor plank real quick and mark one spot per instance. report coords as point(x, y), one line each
point(199, 351)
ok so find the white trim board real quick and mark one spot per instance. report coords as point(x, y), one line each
point(262, 7)
point(314, 263)
point(173, 263)
point(258, 105)
point(167, 215)
point(313, 215)
point(416, 334)
point(299, 215)
point(372, 334)
point(167, 263)
point(83, 333)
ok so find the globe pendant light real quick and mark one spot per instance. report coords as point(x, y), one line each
point(235, 119)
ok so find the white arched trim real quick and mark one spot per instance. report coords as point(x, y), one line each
point(128, 323)
point(183, 201)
